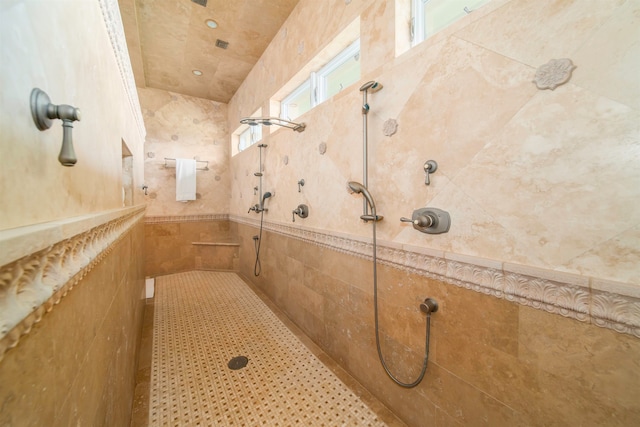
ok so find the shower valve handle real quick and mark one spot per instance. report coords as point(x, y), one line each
point(421, 220)
point(430, 220)
point(302, 211)
point(430, 166)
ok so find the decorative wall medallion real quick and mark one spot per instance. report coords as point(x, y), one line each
point(390, 127)
point(554, 73)
point(322, 148)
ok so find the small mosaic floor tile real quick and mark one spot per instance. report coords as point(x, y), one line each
point(205, 321)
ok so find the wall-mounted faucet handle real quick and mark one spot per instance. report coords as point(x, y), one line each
point(430, 220)
point(420, 220)
point(302, 211)
point(429, 167)
point(43, 112)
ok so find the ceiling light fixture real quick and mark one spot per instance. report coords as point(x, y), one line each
point(211, 23)
point(197, 72)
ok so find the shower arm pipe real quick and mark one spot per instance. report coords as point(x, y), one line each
point(268, 121)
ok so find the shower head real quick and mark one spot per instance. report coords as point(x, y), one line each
point(266, 196)
point(356, 187)
point(268, 121)
point(371, 86)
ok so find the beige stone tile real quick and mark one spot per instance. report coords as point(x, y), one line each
point(563, 140)
point(477, 320)
point(607, 60)
point(338, 326)
point(463, 403)
point(361, 303)
point(441, 418)
point(29, 387)
point(603, 363)
point(456, 94)
point(533, 35)
point(617, 257)
point(330, 288)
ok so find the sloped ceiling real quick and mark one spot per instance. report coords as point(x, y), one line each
point(168, 39)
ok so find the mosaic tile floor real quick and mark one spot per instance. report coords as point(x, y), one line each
point(204, 319)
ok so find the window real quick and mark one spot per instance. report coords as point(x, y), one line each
point(249, 136)
point(342, 71)
point(297, 102)
point(430, 16)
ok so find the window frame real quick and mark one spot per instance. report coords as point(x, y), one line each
point(417, 27)
point(255, 135)
point(316, 83)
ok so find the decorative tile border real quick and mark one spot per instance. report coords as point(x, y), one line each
point(32, 285)
point(113, 22)
point(568, 295)
point(184, 218)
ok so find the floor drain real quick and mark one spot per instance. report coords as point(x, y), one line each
point(238, 362)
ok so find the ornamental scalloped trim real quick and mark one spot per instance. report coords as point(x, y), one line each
point(554, 73)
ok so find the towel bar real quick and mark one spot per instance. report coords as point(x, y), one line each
point(205, 168)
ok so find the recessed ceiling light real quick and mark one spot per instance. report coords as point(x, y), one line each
point(197, 72)
point(211, 23)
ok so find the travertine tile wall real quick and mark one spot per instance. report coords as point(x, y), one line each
point(540, 178)
point(180, 126)
point(170, 248)
point(543, 181)
point(492, 362)
point(77, 366)
point(79, 69)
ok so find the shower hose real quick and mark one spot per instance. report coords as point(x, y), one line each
point(375, 310)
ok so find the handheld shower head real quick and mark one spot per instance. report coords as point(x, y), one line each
point(266, 196)
point(356, 187)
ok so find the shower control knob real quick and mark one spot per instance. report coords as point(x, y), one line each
point(302, 211)
point(421, 220)
point(429, 220)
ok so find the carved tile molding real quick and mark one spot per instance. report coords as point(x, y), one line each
point(610, 305)
point(184, 218)
point(113, 21)
point(33, 284)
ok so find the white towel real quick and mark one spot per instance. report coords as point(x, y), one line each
point(185, 179)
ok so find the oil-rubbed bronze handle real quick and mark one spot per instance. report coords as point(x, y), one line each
point(43, 112)
point(429, 167)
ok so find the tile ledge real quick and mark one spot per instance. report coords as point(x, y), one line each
point(34, 284)
point(215, 244)
point(19, 242)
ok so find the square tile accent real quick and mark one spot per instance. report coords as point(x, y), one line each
point(203, 320)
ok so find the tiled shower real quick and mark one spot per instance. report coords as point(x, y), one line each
point(537, 280)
